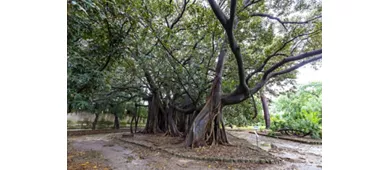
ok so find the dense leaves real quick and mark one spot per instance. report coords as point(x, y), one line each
point(124, 53)
point(301, 111)
point(242, 114)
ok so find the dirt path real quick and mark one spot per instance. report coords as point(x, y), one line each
point(115, 156)
point(119, 155)
point(295, 155)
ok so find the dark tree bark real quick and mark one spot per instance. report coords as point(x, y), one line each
point(181, 123)
point(188, 123)
point(172, 127)
point(131, 121)
point(148, 127)
point(136, 118)
point(69, 108)
point(116, 122)
point(207, 127)
point(95, 121)
point(152, 125)
point(264, 103)
point(162, 119)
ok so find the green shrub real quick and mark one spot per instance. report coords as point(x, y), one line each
point(123, 123)
point(70, 124)
point(84, 124)
point(271, 133)
point(305, 122)
point(104, 124)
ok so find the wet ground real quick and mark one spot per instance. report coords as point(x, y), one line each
point(120, 156)
point(295, 155)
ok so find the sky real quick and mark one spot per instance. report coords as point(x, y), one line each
point(307, 74)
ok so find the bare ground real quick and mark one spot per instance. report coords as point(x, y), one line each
point(295, 155)
point(118, 155)
point(239, 148)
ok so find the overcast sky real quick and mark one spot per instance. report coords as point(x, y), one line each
point(307, 74)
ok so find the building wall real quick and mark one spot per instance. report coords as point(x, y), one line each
point(85, 116)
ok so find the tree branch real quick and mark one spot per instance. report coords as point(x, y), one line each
point(229, 26)
point(180, 15)
point(193, 48)
point(166, 21)
point(234, 97)
point(247, 5)
point(233, 6)
point(218, 12)
point(295, 66)
point(292, 58)
point(284, 22)
point(273, 55)
point(254, 106)
point(270, 17)
point(302, 22)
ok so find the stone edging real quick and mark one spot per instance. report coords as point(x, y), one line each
point(92, 132)
point(238, 130)
point(260, 161)
point(292, 139)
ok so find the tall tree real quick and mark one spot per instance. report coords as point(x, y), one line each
point(203, 130)
point(188, 60)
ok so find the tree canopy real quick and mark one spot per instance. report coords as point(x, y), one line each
point(172, 55)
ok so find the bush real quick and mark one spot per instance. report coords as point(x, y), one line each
point(104, 124)
point(277, 122)
point(84, 124)
point(271, 133)
point(300, 111)
point(70, 124)
point(123, 123)
point(304, 122)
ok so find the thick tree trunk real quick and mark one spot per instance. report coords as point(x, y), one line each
point(181, 123)
point(265, 110)
point(148, 127)
point(188, 123)
point(95, 121)
point(207, 127)
point(133, 118)
point(116, 122)
point(172, 128)
point(69, 108)
point(136, 118)
point(131, 124)
point(162, 119)
point(152, 125)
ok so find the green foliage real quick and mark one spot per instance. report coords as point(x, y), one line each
point(113, 44)
point(70, 124)
point(300, 111)
point(126, 122)
point(123, 123)
point(242, 114)
point(84, 124)
point(104, 124)
point(271, 133)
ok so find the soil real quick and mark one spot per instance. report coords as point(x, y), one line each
point(295, 155)
point(239, 148)
point(85, 159)
point(113, 154)
point(306, 139)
